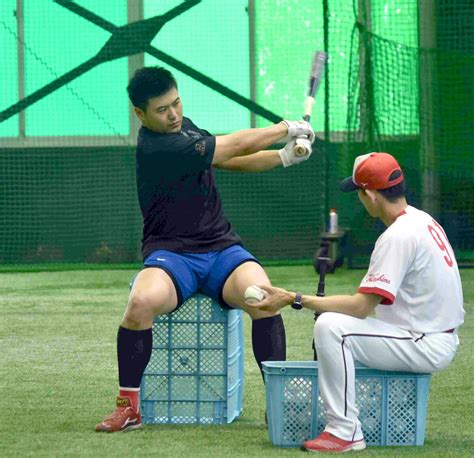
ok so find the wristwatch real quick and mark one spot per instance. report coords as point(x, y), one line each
point(297, 303)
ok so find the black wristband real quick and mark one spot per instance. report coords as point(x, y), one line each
point(297, 303)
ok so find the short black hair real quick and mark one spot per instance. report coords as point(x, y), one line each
point(149, 82)
point(395, 192)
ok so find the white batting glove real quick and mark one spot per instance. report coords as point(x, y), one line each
point(298, 128)
point(287, 155)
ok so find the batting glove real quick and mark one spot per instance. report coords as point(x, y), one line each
point(298, 128)
point(287, 155)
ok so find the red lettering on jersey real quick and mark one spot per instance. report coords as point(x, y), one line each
point(376, 277)
point(439, 241)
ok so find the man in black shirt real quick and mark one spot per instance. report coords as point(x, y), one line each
point(188, 244)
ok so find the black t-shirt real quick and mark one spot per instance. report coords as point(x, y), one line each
point(180, 204)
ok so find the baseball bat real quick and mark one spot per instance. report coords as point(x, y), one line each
point(315, 76)
point(324, 260)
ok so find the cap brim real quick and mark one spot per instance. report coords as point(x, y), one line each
point(347, 185)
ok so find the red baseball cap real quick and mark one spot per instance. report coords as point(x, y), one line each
point(373, 171)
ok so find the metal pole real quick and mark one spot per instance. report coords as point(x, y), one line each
point(19, 13)
point(427, 83)
point(365, 74)
point(252, 64)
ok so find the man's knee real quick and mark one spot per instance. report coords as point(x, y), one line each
point(331, 323)
point(141, 307)
point(151, 295)
point(247, 274)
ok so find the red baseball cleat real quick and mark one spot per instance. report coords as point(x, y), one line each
point(327, 443)
point(123, 418)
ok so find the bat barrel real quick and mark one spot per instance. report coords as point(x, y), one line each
point(317, 70)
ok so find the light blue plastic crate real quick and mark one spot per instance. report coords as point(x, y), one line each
point(195, 374)
point(392, 405)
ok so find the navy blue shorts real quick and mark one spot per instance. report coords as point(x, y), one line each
point(203, 272)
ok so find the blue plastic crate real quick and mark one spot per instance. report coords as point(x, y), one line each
point(195, 374)
point(392, 405)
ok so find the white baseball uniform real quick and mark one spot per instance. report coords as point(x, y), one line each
point(414, 270)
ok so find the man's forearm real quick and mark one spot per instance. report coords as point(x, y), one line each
point(257, 162)
point(253, 140)
point(358, 305)
point(249, 141)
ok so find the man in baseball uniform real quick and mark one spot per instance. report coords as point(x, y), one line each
point(412, 285)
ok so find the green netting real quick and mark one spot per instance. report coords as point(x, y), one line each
point(411, 95)
point(69, 205)
point(399, 79)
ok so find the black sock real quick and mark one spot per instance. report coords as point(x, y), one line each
point(133, 353)
point(268, 340)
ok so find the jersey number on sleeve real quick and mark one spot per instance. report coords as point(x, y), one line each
point(438, 238)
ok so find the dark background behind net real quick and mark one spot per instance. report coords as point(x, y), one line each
point(67, 198)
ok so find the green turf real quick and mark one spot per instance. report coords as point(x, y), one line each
point(59, 373)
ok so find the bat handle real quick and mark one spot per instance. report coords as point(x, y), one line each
point(323, 267)
point(299, 150)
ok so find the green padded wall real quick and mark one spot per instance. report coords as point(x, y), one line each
point(399, 79)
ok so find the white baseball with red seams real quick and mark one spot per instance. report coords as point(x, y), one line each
point(254, 294)
point(414, 270)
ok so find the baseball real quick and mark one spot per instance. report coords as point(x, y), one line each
point(254, 294)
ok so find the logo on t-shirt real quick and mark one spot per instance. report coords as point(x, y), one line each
point(200, 147)
point(373, 278)
point(191, 134)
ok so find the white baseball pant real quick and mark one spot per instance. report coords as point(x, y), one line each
point(342, 339)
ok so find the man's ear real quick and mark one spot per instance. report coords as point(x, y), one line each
point(372, 195)
point(140, 113)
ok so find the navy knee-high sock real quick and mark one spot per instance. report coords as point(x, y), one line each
point(268, 340)
point(133, 353)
